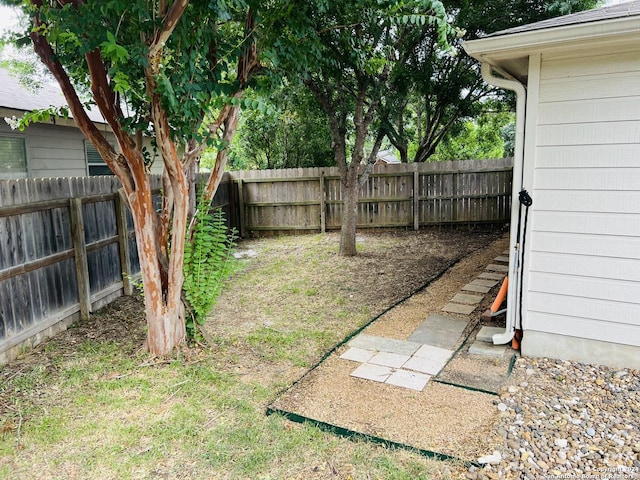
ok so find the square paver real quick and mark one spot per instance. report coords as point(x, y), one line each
point(387, 359)
point(470, 287)
point(429, 351)
point(368, 371)
point(459, 308)
point(358, 355)
point(407, 379)
point(467, 298)
point(382, 344)
point(429, 359)
point(487, 350)
point(439, 330)
point(491, 275)
point(486, 282)
point(425, 365)
point(486, 333)
point(502, 258)
point(494, 267)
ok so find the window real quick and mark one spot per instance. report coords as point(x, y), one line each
point(95, 163)
point(13, 157)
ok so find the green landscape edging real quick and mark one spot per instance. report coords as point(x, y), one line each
point(352, 434)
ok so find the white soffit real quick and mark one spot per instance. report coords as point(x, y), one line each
point(503, 49)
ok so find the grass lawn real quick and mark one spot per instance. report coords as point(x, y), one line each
point(91, 404)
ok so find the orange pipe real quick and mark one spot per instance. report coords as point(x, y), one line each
point(495, 306)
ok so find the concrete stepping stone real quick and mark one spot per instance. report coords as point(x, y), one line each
point(407, 379)
point(486, 333)
point(368, 371)
point(492, 275)
point(487, 350)
point(470, 287)
point(485, 282)
point(494, 267)
point(387, 359)
point(459, 308)
point(467, 298)
point(439, 330)
point(429, 359)
point(502, 258)
point(382, 344)
point(358, 355)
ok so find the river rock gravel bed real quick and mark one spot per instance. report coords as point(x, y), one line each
point(562, 419)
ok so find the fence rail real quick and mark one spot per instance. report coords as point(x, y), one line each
point(67, 245)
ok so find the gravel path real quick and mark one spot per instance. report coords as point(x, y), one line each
point(566, 420)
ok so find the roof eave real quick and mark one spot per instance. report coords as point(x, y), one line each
point(500, 48)
point(54, 120)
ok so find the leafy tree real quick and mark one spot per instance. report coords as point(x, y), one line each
point(475, 138)
point(156, 71)
point(290, 132)
point(346, 53)
point(435, 93)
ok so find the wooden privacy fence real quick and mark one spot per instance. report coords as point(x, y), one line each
point(398, 195)
point(67, 247)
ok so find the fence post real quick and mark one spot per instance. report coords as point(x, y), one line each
point(416, 199)
point(323, 205)
point(123, 242)
point(241, 207)
point(80, 253)
point(233, 220)
point(455, 195)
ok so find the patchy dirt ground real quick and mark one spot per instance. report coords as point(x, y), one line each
point(280, 313)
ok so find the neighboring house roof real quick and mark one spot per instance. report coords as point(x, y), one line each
point(621, 10)
point(387, 156)
point(15, 96)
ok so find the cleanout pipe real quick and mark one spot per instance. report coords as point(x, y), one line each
point(509, 83)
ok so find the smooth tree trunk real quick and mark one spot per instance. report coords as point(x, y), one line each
point(350, 190)
point(164, 313)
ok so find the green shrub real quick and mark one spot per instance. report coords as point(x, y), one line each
point(208, 260)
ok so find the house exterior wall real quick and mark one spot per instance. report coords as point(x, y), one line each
point(582, 168)
point(57, 151)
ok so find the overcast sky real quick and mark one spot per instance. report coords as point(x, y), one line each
point(8, 18)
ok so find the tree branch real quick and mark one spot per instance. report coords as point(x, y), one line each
point(44, 50)
point(168, 25)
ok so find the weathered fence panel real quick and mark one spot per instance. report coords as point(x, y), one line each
point(404, 195)
point(67, 247)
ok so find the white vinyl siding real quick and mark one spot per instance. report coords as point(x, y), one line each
point(584, 242)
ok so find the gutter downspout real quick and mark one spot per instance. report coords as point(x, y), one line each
point(509, 83)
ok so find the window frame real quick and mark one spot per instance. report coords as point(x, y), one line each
point(27, 167)
point(93, 163)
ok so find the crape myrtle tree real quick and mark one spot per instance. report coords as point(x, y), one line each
point(170, 74)
point(345, 53)
point(435, 93)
